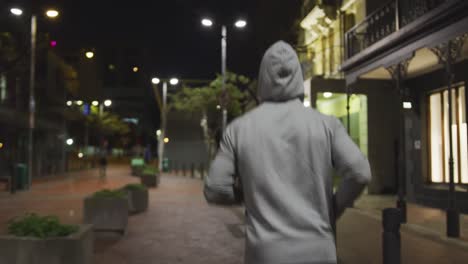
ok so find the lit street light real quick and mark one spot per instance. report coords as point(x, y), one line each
point(69, 103)
point(155, 80)
point(239, 24)
point(107, 103)
point(70, 141)
point(95, 103)
point(89, 54)
point(135, 69)
point(174, 81)
point(207, 22)
point(52, 13)
point(16, 11)
point(79, 103)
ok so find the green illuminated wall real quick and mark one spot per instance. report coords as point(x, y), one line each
point(336, 106)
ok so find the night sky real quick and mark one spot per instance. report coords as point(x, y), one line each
point(167, 35)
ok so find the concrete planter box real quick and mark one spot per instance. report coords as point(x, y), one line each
point(138, 200)
point(74, 249)
point(106, 214)
point(150, 180)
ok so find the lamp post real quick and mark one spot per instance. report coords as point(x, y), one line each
point(51, 13)
point(163, 109)
point(241, 23)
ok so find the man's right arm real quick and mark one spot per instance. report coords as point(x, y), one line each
point(351, 165)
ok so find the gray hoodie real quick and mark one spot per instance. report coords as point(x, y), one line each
point(285, 155)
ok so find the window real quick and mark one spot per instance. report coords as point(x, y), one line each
point(439, 136)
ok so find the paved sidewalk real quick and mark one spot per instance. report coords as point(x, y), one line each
point(180, 227)
point(427, 221)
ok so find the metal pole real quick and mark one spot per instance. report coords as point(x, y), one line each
point(101, 109)
point(348, 117)
point(32, 99)
point(453, 218)
point(401, 203)
point(163, 126)
point(223, 70)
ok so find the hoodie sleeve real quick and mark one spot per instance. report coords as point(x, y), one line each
point(351, 165)
point(219, 184)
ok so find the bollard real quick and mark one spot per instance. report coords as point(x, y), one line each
point(391, 220)
point(183, 169)
point(202, 171)
point(192, 170)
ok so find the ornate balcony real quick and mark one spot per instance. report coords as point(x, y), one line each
point(390, 18)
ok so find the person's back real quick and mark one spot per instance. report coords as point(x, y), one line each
point(284, 154)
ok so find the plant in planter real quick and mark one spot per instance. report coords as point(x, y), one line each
point(35, 239)
point(150, 176)
point(138, 195)
point(138, 165)
point(107, 210)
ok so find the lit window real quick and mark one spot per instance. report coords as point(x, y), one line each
point(439, 136)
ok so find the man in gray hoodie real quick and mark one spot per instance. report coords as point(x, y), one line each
point(284, 155)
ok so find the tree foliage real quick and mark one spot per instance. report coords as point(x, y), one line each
point(239, 97)
point(109, 124)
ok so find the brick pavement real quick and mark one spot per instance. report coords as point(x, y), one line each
point(180, 227)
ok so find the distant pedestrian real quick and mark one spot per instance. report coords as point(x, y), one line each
point(280, 157)
point(103, 167)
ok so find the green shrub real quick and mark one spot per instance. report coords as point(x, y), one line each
point(135, 187)
point(150, 171)
point(110, 194)
point(32, 225)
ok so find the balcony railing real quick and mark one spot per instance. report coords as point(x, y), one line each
point(390, 18)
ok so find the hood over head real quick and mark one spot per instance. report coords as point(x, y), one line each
point(280, 78)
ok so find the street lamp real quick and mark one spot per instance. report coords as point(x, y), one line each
point(107, 103)
point(89, 54)
point(51, 13)
point(241, 23)
point(162, 133)
point(69, 103)
point(70, 141)
point(16, 11)
point(174, 81)
point(207, 22)
point(95, 103)
point(155, 81)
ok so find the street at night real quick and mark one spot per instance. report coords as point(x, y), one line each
point(242, 132)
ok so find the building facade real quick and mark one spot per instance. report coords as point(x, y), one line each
point(421, 48)
point(364, 107)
